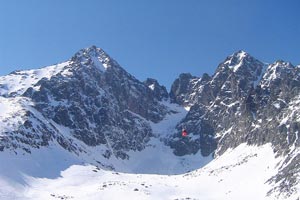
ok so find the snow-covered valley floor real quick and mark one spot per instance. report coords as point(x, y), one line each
point(241, 173)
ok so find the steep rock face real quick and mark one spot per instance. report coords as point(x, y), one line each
point(217, 101)
point(98, 101)
point(160, 92)
point(181, 87)
point(241, 97)
point(245, 101)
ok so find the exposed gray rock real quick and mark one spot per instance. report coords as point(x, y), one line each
point(245, 101)
point(99, 102)
point(160, 92)
point(181, 88)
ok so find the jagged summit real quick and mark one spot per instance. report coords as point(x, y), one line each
point(277, 72)
point(18, 82)
point(179, 88)
point(93, 56)
point(90, 60)
point(92, 51)
point(240, 55)
point(240, 60)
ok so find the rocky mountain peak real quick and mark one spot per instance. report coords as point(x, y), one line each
point(280, 66)
point(237, 75)
point(160, 92)
point(278, 71)
point(92, 51)
point(240, 61)
point(239, 56)
point(93, 57)
point(180, 88)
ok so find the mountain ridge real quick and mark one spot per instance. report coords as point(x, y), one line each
point(94, 109)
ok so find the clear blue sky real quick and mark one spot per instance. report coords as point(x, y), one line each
point(149, 38)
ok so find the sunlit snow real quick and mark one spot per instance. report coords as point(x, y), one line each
point(241, 173)
point(18, 82)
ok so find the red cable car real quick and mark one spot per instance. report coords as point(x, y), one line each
point(184, 133)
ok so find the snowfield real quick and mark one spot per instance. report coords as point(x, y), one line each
point(17, 82)
point(241, 173)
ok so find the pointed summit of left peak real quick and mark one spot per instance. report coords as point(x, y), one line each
point(93, 56)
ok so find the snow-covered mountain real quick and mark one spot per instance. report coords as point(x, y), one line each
point(89, 110)
point(91, 97)
point(245, 101)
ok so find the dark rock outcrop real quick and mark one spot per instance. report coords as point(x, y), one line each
point(160, 92)
point(245, 101)
point(99, 102)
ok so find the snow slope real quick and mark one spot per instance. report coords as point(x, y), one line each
point(17, 82)
point(241, 173)
point(158, 158)
point(12, 111)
